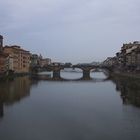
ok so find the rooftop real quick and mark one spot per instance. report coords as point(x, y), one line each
point(17, 48)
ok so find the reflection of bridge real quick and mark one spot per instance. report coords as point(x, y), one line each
point(56, 69)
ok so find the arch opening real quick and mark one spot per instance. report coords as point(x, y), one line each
point(97, 74)
point(71, 74)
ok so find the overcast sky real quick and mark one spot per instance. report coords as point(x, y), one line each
point(70, 30)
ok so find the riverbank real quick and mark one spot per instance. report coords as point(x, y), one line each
point(5, 77)
point(126, 75)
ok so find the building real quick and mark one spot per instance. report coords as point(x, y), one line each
point(9, 63)
point(45, 62)
point(110, 61)
point(35, 60)
point(129, 57)
point(3, 66)
point(3, 57)
point(18, 60)
point(57, 64)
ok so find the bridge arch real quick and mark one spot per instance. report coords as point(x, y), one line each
point(71, 74)
point(85, 72)
point(98, 74)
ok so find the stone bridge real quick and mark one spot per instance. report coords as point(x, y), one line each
point(56, 69)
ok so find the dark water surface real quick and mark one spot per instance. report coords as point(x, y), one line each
point(83, 110)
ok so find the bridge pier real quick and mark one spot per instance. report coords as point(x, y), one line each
point(56, 74)
point(86, 75)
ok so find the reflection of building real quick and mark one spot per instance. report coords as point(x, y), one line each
point(14, 91)
point(130, 91)
point(19, 59)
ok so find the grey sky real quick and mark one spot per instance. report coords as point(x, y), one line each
point(70, 30)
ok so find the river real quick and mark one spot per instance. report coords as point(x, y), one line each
point(70, 110)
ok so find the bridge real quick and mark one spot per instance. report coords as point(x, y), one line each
point(86, 69)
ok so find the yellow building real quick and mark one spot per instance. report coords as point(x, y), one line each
point(19, 59)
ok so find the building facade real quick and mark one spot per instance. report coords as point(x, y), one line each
point(3, 66)
point(45, 62)
point(130, 55)
point(35, 60)
point(18, 60)
point(110, 61)
point(3, 57)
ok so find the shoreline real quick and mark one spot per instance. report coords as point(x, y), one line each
point(126, 75)
point(12, 76)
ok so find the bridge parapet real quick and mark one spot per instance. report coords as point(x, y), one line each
point(54, 68)
point(85, 67)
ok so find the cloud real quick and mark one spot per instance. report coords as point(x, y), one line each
point(61, 26)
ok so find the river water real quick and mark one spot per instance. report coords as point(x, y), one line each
point(70, 110)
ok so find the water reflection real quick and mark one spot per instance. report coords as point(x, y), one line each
point(14, 91)
point(69, 110)
point(129, 89)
